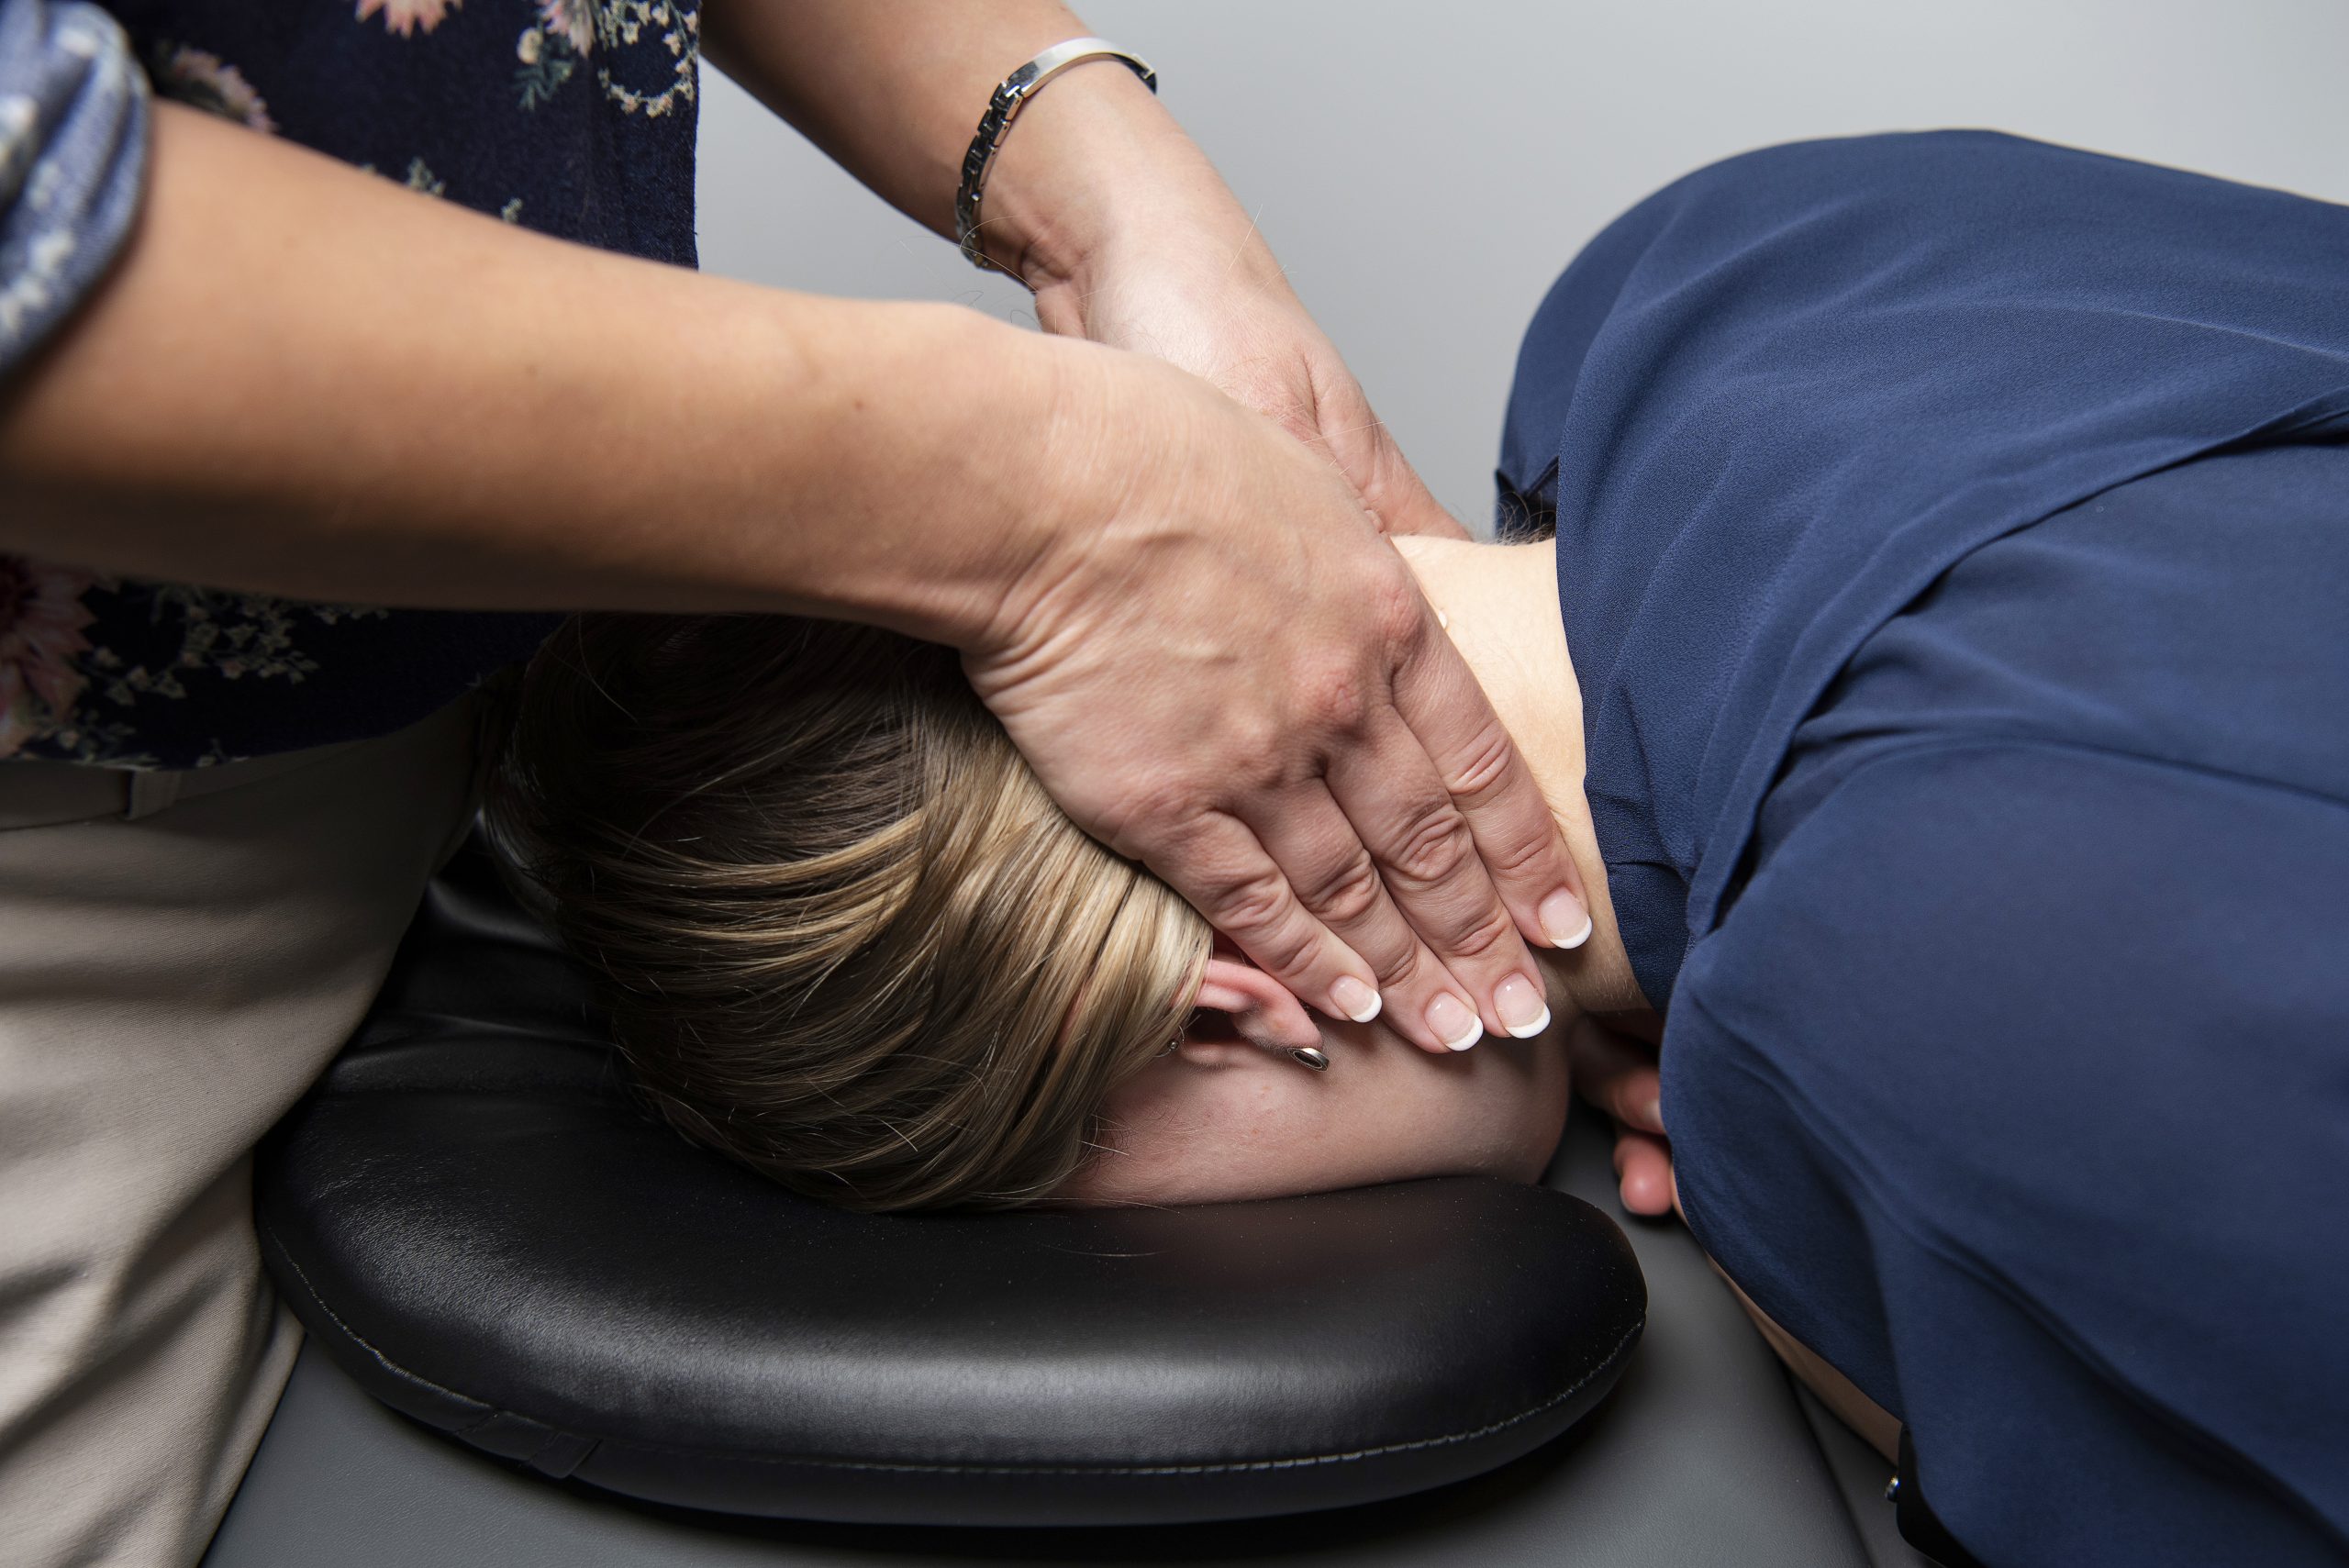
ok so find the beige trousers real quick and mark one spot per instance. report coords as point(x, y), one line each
point(180, 956)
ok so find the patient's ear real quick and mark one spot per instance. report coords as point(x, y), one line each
point(1260, 1008)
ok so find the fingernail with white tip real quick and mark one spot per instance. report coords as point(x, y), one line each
point(1356, 1000)
point(1453, 1022)
point(1565, 920)
point(1523, 1012)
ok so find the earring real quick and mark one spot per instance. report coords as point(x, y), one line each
point(1311, 1056)
point(1172, 1046)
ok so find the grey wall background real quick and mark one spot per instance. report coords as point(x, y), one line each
point(1424, 170)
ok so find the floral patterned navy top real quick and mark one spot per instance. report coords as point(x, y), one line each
point(574, 118)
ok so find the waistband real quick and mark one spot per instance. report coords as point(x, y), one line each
point(43, 795)
point(40, 794)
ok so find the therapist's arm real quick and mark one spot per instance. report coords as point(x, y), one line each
point(1097, 199)
point(301, 379)
point(304, 380)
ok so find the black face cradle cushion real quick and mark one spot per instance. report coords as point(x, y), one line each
point(475, 1218)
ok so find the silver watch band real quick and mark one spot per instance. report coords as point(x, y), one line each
point(1003, 107)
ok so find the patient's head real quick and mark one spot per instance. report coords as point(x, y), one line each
point(845, 937)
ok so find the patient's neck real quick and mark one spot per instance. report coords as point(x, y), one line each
point(1501, 601)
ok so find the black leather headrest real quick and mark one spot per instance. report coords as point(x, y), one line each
point(474, 1217)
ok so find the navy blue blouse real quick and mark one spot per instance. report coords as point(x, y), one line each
point(1954, 542)
point(573, 118)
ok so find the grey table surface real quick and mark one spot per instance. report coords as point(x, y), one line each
point(1705, 1455)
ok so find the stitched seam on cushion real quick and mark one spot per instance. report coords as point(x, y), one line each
point(356, 1338)
point(1218, 1468)
point(553, 1438)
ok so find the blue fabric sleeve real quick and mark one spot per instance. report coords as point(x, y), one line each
point(2014, 1083)
point(73, 155)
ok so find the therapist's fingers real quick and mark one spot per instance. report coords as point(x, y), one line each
point(1333, 865)
point(1449, 958)
point(1424, 779)
point(1363, 447)
point(1515, 838)
point(1226, 873)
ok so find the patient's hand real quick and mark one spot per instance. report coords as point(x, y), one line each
point(1615, 1070)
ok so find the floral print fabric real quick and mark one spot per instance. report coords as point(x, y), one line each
point(574, 118)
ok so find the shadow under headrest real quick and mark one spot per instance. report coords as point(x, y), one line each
point(472, 1215)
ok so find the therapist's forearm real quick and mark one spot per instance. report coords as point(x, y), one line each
point(894, 92)
point(304, 380)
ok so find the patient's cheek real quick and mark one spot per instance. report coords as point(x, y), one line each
point(1384, 1112)
point(1538, 1116)
point(1496, 1112)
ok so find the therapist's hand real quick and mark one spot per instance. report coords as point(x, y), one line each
point(1210, 655)
point(1167, 262)
point(1208, 296)
point(1221, 668)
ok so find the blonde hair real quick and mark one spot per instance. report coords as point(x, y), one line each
point(842, 933)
